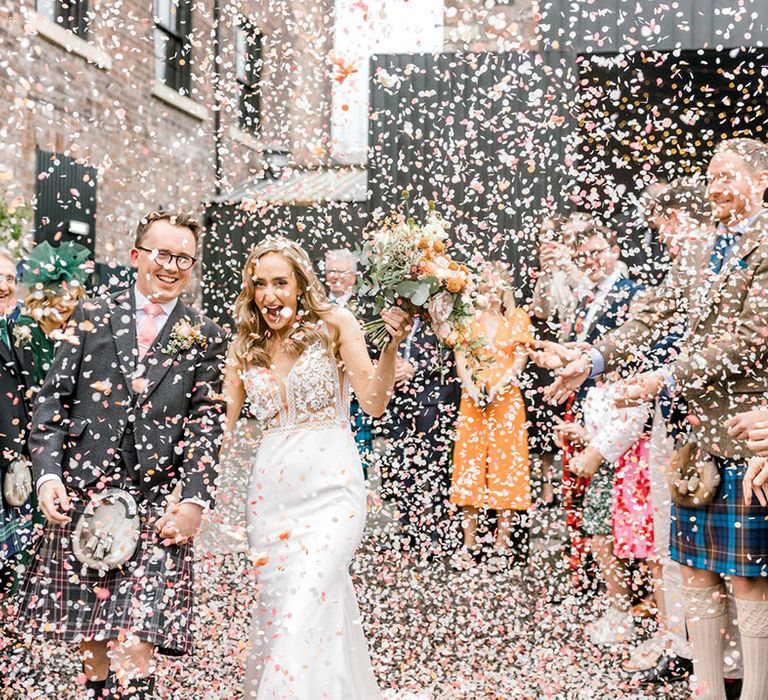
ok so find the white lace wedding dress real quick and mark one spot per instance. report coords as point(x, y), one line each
point(305, 514)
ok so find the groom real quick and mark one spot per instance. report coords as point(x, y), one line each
point(132, 401)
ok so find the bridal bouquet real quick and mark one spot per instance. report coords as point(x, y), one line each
point(406, 263)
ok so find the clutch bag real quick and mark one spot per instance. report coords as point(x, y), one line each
point(694, 476)
point(17, 484)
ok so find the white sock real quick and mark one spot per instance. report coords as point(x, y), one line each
point(753, 625)
point(706, 612)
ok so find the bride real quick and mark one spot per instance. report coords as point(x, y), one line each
point(293, 358)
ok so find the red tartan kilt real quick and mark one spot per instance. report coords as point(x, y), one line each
point(151, 595)
point(573, 493)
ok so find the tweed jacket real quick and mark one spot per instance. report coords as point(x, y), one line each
point(98, 397)
point(721, 368)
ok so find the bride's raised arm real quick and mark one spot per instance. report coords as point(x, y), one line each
point(372, 383)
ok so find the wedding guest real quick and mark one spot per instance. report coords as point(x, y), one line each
point(9, 304)
point(138, 374)
point(559, 283)
point(719, 372)
point(682, 216)
point(598, 310)
point(341, 275)
point(55, 277)
point(418, 426)
point(491, 469)
point(14, 519)
point(601, 443)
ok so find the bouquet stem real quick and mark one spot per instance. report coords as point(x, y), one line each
point(377, 331)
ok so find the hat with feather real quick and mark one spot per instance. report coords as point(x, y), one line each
point(49, 267)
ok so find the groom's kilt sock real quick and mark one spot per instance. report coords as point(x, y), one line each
point(151, 595)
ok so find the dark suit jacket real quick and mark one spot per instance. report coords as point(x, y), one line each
point(90, 404)
point(613, 311)
point(433, 390)
point(14, 416)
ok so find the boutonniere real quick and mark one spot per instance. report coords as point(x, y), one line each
point(22, 335)
point(185, 336)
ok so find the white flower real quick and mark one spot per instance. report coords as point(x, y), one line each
point(440, 307)
point(22, 335)
point(386, 80)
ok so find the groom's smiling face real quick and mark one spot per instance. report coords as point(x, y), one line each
point(162, 283)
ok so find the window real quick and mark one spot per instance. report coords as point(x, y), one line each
point(248, 45)
point(173, 50)
point(69, 14)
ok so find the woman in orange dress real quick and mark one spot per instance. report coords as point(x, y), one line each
point(491, 469)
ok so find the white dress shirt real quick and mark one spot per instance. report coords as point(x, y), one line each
point(614, 429)
point(341, 301)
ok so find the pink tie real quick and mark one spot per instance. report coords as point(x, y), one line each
point(147, 331)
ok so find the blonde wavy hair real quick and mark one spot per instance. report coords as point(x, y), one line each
point(249, 346)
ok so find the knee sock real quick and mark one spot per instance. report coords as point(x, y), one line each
point(706, 612)
point(133, 689)
point(753, 626)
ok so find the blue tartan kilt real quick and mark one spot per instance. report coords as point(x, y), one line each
point(726, 536)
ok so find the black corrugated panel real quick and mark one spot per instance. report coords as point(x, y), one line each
point(65, 194)
point(485, 135)
point(621, 25)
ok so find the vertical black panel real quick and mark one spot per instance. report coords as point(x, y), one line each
point(488, 144)
point(65, 194)
point(623, 25)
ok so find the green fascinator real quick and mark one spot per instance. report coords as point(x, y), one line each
point(48, 267)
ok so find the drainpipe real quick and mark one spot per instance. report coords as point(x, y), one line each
point(218, 176)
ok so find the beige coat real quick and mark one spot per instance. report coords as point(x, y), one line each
point(722, 367)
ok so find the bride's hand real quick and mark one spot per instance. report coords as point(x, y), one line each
point(398, 324)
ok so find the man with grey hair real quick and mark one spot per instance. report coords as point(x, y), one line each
point(341, 275)
point(8, 280)
point(15, 522)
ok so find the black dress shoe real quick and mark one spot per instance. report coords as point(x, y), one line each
point(668, 669)
point(733, 688)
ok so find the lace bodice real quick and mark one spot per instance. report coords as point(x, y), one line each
point(311, 394)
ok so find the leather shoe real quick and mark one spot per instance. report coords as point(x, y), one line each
point(733, 688)
point(668, 669)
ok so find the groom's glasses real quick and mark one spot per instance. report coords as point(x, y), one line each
point(163, 257)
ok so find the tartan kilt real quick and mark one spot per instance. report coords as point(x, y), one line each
point(9, 531)
point(362, 428)
point(151, 595)
point(726, 536)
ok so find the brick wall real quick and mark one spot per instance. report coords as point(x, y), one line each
point(149, 152)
